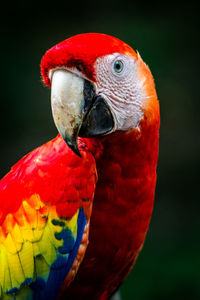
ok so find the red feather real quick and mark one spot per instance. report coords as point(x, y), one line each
point(126, 168)
point(122, 210)
point(126, 171)
point(54, 172)
point(81, 50)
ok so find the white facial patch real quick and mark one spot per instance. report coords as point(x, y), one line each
point(119, 85)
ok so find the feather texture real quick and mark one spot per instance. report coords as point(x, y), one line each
point(43, 217)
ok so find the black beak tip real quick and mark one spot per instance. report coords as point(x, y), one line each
point(72, 143)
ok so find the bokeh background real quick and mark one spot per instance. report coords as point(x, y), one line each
point(166, 35)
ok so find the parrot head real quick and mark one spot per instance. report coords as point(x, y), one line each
point(99, 85)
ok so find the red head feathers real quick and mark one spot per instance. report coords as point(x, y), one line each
point(81, 51)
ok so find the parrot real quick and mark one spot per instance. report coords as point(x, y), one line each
point(75, 211)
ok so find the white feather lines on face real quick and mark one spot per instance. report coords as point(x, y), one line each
point(122, 90)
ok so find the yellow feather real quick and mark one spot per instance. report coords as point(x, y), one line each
point(28, 245)
point(16, 234)
point(37, 234)
point(47, 250)
point(41, 267)
point(16, 272)
point(72, 224)
point(50, 231)
point(9, 244)
point(27, 260)
point(36, 249)
point(25, 293)
point(8, 297)
point(3, 265)
point(27, 233)
point(6, 276)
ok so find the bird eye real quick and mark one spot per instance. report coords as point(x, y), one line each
point(118, 66)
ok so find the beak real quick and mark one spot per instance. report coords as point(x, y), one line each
point(76, 110)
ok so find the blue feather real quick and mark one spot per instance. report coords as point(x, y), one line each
point(63, 263)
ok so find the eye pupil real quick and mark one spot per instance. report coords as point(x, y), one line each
point(118, 66)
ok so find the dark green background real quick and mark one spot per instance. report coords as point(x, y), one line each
point(166, 35)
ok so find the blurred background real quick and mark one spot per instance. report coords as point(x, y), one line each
point(166, 35)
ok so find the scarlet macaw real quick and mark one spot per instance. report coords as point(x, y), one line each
point(106, 110)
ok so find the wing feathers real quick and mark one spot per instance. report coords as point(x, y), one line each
point(44, 202)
